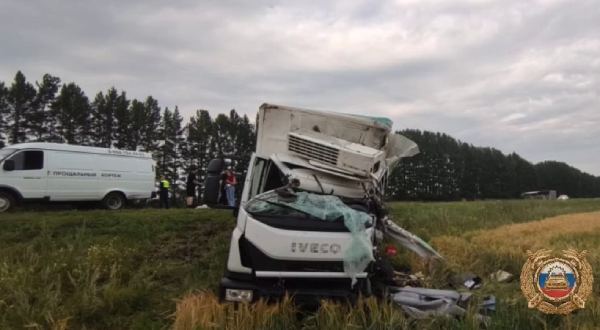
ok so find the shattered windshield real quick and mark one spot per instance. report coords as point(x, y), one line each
point(271, 206)
point(304, 204)
point(5, 152)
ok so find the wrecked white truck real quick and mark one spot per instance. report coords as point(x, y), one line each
point(311, 219)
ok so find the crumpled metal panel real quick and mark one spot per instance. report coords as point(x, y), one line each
point(410, 241)
point(422, 303)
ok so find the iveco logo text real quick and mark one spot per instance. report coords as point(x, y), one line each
point(316, 247)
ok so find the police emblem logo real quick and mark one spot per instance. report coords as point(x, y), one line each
point(556, 284)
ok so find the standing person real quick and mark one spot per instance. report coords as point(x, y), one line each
point(164, 192)
point(190, 187)
point(222, 199)
point(230, 183)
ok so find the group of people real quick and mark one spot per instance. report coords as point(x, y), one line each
point(228, 184)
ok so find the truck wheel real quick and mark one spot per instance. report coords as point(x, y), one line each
point(114, 201)
point(7, 201)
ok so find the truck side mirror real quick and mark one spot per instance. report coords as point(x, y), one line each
point(212, 183)
point(9, 165)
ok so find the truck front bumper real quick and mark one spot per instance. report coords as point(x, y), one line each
point(303, 291)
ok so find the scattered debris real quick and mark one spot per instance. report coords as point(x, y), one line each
point(422, 303)
point(501, 276)
point(467, 280)
point(402, 279)
point(488, 304)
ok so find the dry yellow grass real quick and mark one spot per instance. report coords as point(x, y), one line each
point(203, 311)
point(512, 241)
point(540, 233)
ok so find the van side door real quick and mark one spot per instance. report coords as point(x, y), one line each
point(29, 175)
point(71, 176)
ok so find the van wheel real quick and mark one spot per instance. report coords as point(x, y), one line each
point(7, 201)
point(114, 201)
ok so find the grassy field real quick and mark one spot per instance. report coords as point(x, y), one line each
point(135, 268)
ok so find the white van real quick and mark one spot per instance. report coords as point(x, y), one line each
point(63, 172)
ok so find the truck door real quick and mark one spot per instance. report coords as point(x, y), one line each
point(29, 176)
point(253, 178)
point(263, 175)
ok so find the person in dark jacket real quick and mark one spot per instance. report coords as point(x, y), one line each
point(190, 187)
point(222, 195)
point(165, 185)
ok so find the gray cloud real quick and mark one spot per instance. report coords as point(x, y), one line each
point(521, 76)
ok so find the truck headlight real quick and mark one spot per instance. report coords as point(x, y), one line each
point(238, 295)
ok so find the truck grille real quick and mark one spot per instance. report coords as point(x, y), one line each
point(253, 257)
point(313, 150)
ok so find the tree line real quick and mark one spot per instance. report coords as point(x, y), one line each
point(446, 169)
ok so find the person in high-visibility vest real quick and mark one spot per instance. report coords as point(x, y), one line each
point(164, 192)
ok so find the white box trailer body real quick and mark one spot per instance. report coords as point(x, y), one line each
point(63, 172)
point(349, 154)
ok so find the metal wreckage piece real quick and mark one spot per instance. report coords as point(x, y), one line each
point(422, 303)
point(410, 241)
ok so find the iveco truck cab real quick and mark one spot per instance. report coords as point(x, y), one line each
point(310, 211)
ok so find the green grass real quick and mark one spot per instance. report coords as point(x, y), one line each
point(127, 269)
point(100, 270)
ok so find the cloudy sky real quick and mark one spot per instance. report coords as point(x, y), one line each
point(520, 75)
